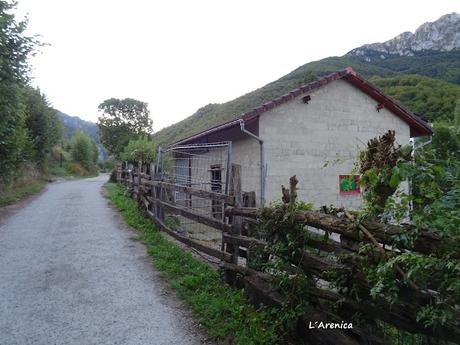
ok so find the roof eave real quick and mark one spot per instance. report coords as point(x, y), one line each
point(417, 126)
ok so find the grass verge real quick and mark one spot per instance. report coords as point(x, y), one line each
point(222, 310)
point(29, 180)
point(20, 190)
point(72, 170)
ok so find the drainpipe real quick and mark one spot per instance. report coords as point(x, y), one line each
point(415, 147)
point(263, 169)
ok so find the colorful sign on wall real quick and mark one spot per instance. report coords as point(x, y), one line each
point(349, 184)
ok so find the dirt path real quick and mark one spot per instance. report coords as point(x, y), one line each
point(69, 274)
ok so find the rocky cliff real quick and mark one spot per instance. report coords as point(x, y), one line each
point(440, 35)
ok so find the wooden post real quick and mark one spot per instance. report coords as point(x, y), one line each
point(153, 207)
point(126, 174)
point(235, 187)
point(131, 178)
point(159, 194)
point(162, 197)
point(138, 182)
point(236, 221)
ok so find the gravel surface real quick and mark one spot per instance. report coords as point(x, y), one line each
point(70, 274)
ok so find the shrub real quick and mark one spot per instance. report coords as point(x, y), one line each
point(106, 165)
point(77, 169)
point(139, 150)
point(83, 149)
point(113, 175)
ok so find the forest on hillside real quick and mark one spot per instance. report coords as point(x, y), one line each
point(33, 146)
point(440, 69)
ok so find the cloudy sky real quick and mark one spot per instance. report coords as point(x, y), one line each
point(181, 55)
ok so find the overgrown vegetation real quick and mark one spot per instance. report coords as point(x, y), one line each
point(83, 150)
point(16, 48)
point(433, 99)
point(223, 311)
point(425, 282)
point(122, 120)
point(32, 144)
point(21, 188)
point(434, 204)
point(141, 150)
point(422, 98)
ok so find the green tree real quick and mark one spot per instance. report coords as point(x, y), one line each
point(15, 49)
point(82, 149)
point(44, 127)
point(308, 78)
point(139, 150)
point(446, 141)
point(94, 152)
point(121, 121)
point(433, 99)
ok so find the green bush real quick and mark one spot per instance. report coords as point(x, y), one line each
point(139, 150)
point(83, 149)
point(106, 165)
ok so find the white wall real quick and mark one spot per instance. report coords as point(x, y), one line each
point(300, 138)
point(246, 153)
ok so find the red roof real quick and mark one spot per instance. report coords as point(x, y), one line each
point(418, 127)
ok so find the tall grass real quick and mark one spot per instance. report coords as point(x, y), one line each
point(28, 181)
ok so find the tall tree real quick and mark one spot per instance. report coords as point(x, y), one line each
point(121, 121)
point(15, 48)
point(44, 127)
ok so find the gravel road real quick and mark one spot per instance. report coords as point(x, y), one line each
point(70, 274)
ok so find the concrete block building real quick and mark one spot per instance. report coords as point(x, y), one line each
point(314, 132)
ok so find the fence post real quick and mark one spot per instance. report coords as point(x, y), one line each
point(122, 172)
point(126, 179)
point(130, 177)
point(236, 221)
point(138, 185)
point(158, 194)
point(153, 207)
point(235, 187)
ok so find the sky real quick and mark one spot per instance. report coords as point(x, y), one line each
point(181, 55)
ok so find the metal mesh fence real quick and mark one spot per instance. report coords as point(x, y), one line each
point(203, 167)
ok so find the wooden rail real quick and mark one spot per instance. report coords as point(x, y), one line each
point(315, 260)
point(229, 199)
point(150, 192)
point(190, 242)
point(182, 211)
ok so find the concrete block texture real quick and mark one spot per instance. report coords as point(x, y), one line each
point(317, 142)
point(320, 140)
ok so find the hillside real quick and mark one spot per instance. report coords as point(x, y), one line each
point(432, 99)
point(443, 64)
point(72, 123)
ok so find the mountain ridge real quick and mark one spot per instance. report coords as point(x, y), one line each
point(440, 35)
point(73, 123)
point(438, 64)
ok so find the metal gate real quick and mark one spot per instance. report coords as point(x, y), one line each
point(204, 167)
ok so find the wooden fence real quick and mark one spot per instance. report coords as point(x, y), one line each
point(235, 255)
point(152, 193)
